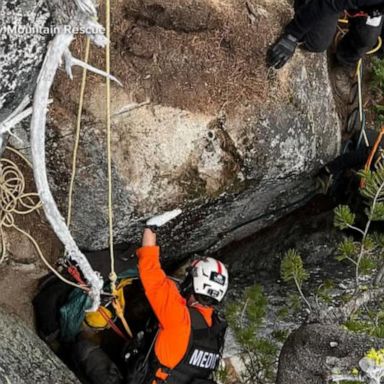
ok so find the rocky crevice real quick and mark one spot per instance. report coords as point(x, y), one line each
point(25, 359)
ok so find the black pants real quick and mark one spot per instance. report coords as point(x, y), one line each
point(360, 38)
point(351, 160)
point(357, 158)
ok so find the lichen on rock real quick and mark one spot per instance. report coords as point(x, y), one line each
point(234, 145)
point(22, 49)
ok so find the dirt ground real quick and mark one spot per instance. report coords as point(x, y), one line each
point(202, 56)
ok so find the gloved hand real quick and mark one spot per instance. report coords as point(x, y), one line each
point(159, 220)
point(281, 51)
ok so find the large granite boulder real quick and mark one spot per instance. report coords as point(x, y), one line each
point(25, 359)
point(233, 144)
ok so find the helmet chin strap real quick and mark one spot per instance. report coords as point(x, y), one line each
point(192, 300)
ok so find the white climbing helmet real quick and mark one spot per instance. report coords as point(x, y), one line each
point(210, 278)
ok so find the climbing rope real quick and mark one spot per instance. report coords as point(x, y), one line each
point(120, 314)
point(357, 119)
point(374, 149)
point(113, 326)
point(359, 75)
point(15, 201)
point(113, 276)
point(371, 156)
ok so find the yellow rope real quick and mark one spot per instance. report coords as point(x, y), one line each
point(78, 126)
point(343, 32)
point(372, 51)
point(378, 46)
point(20, 155)
point(120, 315)
point(14, 201)
point(62, 278)
point(3, 245)
point(112, 276)
point(11, 203)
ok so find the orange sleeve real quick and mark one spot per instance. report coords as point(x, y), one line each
point(169, 306)
point(165, 299)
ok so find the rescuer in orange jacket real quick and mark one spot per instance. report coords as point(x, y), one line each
point(191, 335)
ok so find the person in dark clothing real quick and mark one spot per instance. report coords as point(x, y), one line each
point(331, 177)
point(314, 26)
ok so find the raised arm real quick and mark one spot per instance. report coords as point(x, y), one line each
point(167, 303)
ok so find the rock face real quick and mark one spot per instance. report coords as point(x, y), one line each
point(25, 359)
point(313, 351)
point(22, 49)
point(232, 144)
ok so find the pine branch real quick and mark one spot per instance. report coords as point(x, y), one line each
point(302, 295)
point(356, 229)
point(377, 194)
point(342, 314)
point(342, 378)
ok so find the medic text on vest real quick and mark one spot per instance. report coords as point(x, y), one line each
point(204, 359)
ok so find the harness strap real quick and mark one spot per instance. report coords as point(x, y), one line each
point(74, 272)
point(115, 328)
point(161, 374)
point(357, 14)
point(374, 149)
point(371, 156)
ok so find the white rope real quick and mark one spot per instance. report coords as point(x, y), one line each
point(51, 63)
point(15, 201)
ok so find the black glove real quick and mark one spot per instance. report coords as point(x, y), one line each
point(281, 51)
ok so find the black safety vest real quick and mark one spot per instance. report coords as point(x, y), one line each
point(203, 354)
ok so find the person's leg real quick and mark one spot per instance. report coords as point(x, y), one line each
point(320, 37)
point(350, 160)
point(299, 3)
point(362, 36)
